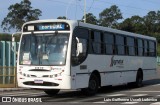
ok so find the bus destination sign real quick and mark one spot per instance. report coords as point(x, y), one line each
point(52, 27)
point(60, 26)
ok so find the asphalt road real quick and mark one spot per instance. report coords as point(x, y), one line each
point(149, 94)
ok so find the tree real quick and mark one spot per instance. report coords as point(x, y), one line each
point(61, 17)
point(90, 18)
point(157, 23)
point(126, 25)
point(134, 24)
point(20, 13)
point(150, 21)
point(110, 16)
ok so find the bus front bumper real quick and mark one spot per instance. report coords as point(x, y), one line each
point(46, 83)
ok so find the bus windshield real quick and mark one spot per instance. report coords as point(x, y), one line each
point(44, 49)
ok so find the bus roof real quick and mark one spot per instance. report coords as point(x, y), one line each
point(75, 23)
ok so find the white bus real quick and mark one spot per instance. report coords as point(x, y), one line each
point(67, 54)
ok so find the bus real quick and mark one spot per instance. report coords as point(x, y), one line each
point(67, 54)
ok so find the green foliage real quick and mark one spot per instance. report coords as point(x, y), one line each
point(8, 37)
point(157, 36)
point(158, 49)
point(147, 25)
point(110, 16)
point(149, 21)
point(61, 17)
point(90, 18)
point(5, 37)
point(19, 13)
point(134, 24)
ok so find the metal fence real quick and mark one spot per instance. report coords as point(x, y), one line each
point(8, 76)
point(8, 63)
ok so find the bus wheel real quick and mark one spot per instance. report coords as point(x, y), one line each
point(92, 87)
point(139, 80)
point(52, 92)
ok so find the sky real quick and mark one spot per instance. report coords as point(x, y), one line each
point(74, 9)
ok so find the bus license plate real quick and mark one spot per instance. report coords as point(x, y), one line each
point(38, 81)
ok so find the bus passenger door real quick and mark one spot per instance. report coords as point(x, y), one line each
point(79, 56)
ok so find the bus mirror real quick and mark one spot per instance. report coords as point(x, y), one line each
point(79, 48)
point(13, 48)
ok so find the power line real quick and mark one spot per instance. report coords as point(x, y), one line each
point(58, 1)
point(74, 4)
point(107, 3)
point(80, 7)
point(123, 5)
point(68, 8)
point(90, 5)
point(153, 2)
point(76, 11)
point(101, 8)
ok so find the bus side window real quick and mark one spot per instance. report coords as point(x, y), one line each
point(109, 43)
point(131, 46)
point(146, 52)
point(120, 45)
point(152, 48)
point(155, 49)
point(96, 42)
point(140, 47)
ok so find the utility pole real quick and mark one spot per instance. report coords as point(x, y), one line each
point(84, 11)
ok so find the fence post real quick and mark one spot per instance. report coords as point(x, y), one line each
point(3, 61)
point(8, 62)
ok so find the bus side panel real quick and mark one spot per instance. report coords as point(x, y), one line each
point(113, 72)
point(107, 79)
point(149, 68)
point(82, 80)
point(128, 76)
point(81, 77)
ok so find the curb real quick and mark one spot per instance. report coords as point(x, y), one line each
point(13, 89)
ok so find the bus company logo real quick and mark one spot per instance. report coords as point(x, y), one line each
point(115, 62)
point(6, 99)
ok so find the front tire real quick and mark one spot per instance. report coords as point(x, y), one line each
point(52, 92)
point(139, 80)
point(92, 87)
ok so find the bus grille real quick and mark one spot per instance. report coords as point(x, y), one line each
point(40, 84)
point(39, 70)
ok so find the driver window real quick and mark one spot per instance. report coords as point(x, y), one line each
point(80, 36)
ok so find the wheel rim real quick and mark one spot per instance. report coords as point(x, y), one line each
point(93, 85)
